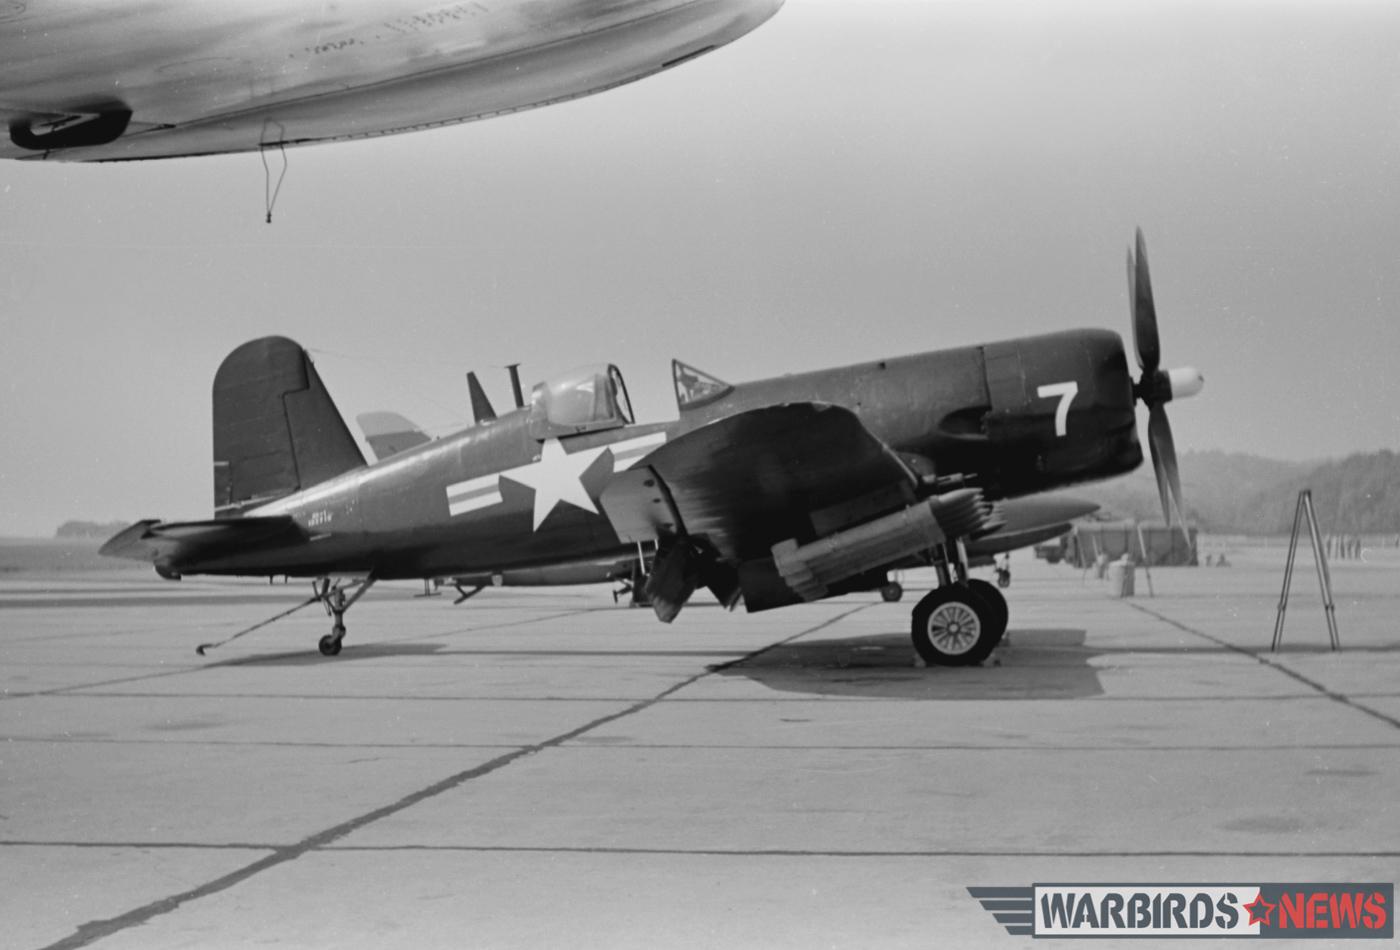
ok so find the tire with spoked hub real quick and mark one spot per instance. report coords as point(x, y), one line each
point(998, 612)
point(952, 626)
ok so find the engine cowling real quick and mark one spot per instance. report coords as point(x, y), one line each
point(1062, 411)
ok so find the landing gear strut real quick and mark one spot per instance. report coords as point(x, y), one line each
point(332, 595)
point(337, 598)
point(960, 622)
point(1004, 572)
point(633, 587)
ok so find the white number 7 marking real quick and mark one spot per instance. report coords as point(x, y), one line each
point(1066, 392)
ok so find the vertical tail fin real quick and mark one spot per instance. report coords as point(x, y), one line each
point(276, 430)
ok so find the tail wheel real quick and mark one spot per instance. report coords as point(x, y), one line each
point(952, 626)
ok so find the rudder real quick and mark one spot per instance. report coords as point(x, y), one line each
point(276, 430)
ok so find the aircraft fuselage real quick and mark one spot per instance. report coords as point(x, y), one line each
point(1012, 418)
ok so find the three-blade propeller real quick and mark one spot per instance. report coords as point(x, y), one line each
point(1157, 386)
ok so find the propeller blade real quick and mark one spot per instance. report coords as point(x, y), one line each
point(1159, 438)
point(1145, 339)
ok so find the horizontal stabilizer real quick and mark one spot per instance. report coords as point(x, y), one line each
point(128, 542)
point(175, 544)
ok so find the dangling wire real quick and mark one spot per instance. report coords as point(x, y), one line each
point(270, 194)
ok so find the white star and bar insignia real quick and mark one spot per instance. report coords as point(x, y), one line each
point(556, 477)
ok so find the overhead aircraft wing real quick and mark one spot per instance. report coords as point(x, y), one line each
point(109, 81)
point(171, 545)
point(748, 481)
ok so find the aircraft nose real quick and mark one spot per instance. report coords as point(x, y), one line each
point(1184, 382)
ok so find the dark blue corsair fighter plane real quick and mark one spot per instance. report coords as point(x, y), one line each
point(772, 492)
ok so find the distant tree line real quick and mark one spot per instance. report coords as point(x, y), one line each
point(1357, 495)
point(1231, 493)
point(89, 529)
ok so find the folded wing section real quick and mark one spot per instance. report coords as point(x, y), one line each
point(750, 480)
point(718, 499)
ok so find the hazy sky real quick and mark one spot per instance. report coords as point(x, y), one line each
point(852, 180)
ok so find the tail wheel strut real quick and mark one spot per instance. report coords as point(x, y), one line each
point(338, 598)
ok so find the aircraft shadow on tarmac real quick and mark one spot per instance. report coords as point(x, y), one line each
point(403, 648)
point(358, 651)
point(1029, 664)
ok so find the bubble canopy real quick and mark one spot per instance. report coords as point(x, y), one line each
point(586, 399)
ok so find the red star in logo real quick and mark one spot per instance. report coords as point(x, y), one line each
point(1260, 910)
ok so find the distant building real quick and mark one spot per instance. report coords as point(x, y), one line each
point(1166, 546)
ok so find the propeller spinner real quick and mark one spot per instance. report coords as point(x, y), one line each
point(1157, 386)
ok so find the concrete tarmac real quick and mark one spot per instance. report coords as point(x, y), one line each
point(543, 768)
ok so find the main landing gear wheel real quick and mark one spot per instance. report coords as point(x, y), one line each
point(999, 614)
point(953, 626)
